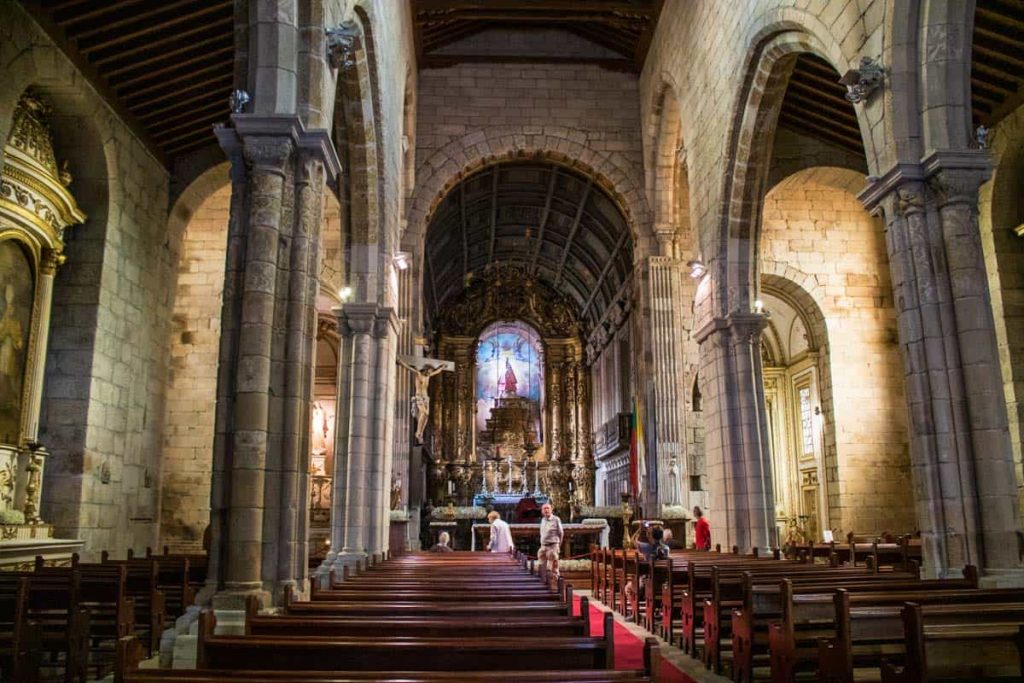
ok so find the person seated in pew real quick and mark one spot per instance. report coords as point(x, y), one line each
point(670, 542)
point(442, 543)
point(501, 534)
point(655, 547)
point(551, 534)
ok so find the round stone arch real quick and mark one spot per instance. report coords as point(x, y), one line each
point(440, 172)
point(197, 192)
point(668, 186)
point(777, 40)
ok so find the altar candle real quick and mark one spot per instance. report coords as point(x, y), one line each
point(451, 487)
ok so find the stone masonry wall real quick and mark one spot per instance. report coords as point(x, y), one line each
point(594, 106)
point(192, 376)
point(103, 399)
point(818, 236)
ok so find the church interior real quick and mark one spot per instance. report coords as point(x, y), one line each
point(298, 291)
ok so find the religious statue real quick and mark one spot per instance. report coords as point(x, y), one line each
point(423, 369)
point(396, 492)
point(673, 482)
point(509, 382)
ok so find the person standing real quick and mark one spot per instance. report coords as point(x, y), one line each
point(701, 530)
point(551, 534)
point(501, 534)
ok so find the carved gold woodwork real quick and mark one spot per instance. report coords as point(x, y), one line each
point(35, 209)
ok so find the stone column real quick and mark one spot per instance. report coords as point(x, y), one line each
point(738, 455)
point(385, 332)
point(265, 354)
point(661, 278)
point(961, 457)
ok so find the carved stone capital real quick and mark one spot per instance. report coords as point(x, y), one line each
point(342, 41)
point(957, 186)
point(910, 198)
point(264, 153)
point(356, 318)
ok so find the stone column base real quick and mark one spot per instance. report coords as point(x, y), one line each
point(1002, 578)
point(234, 600)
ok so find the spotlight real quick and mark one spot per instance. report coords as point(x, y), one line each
point(758, 306)
point(402, 260)
point(345, 293)
point(697, 269)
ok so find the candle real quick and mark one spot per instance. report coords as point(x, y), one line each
point(451, 487)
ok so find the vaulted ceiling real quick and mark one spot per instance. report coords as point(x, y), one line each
point(622, 27)
point(543, 216)
point(165, 66)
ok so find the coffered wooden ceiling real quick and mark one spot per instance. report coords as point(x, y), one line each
point(554, 221)
point(164, 65)
point(623, 27)
point(997, 66)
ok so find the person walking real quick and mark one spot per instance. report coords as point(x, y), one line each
point(501, 534)
point(551, 534)
point(701, 530)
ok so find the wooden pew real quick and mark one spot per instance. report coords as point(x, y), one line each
point(141, 584)
point(20, 638)
point(52, 602)
point(869, 632)
point(809, 617)
point(406, 654)
point(102, 591)
point(938, 647)
point(763, 605)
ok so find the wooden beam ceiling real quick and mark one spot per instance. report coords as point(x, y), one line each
point(997, 60)
point(623, 27)
point(165, 67)
point(815, 105)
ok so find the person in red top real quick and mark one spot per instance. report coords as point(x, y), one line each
point(701, 530)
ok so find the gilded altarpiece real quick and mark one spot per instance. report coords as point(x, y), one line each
point(35, 209)
point(470, 454)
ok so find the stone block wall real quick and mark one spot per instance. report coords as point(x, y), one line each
point(103, 401)
point(192, 376)
point(591, 106)
point(1002, 210)
point(818, 236)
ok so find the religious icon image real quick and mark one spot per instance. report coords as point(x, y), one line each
point(15, 319)
point(423, 369)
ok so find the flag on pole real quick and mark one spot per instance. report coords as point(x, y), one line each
point(637, 466)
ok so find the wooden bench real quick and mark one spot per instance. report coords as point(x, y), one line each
point(52, 603)
point(360, 653)
point(763, 605)
point(141, 584)
point(810, 617)
point(869, 632)
point(941, 644)
point(20, 637)
point(102, 591)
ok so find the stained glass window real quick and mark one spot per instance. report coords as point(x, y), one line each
point(806, 420)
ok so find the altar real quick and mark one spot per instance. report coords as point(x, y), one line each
point(522, 534)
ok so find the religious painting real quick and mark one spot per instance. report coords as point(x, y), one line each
point(18, 289)
point(509, 364)
point(321, 441)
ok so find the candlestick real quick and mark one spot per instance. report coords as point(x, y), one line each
point(508, 486)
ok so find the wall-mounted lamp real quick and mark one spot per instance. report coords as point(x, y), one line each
point(345, 293)
point(403, 260)
point(758, 306)
point(861, 82)
point(697, 269)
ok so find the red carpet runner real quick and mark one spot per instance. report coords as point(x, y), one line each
point(629, 650)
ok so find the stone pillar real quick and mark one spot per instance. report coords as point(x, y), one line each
point(265, 355)
point(961, 457)
point(663, 355)
point(362, 467)
point(738, 455)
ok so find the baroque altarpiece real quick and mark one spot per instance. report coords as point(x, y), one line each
point(35, 209)
point(515, 414)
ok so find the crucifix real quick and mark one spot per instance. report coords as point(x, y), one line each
point(423, 369)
